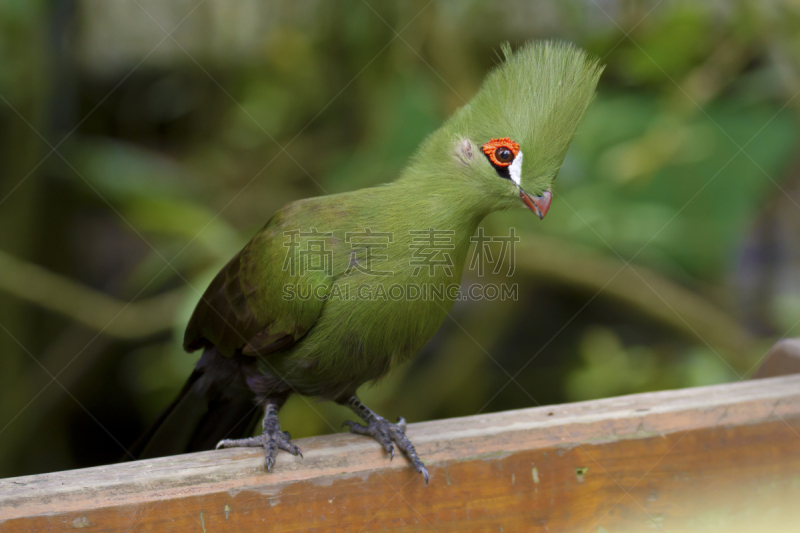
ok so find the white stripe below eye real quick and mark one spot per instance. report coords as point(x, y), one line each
point(515, 169)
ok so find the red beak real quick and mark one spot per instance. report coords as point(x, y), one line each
point(538, 204)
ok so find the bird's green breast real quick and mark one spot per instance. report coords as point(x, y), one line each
point(383, 269)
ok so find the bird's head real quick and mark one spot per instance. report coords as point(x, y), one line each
point(508, 143)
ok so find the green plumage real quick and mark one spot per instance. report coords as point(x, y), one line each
point(308, 305)
point(329, 346)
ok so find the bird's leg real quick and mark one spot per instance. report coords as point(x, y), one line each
point(384, 432)
point(272, 437)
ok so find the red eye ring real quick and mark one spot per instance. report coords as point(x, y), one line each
point(494, 146)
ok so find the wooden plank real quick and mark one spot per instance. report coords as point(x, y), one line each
point(783, 359)
point(721, 458)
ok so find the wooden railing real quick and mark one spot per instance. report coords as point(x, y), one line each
point(709, 459)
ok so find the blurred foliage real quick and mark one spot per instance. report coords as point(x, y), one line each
point(136, 161)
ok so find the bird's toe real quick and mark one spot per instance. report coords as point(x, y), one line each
point(422, 470)
point(386, 441)
point(285, 444)
point(358, 429)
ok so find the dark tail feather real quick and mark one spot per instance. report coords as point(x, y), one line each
point(197, 420)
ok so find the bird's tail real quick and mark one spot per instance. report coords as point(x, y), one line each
point(208, 408)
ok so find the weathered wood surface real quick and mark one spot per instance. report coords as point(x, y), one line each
point(783, 359)
point(710, 459)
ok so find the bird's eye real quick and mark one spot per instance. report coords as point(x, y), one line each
point(503, 154)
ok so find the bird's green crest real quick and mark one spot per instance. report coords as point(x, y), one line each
point(536, 97)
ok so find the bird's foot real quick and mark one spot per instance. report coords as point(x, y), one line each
point(271, 440)
point(387, 433)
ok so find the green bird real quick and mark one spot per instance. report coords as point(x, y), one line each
point(336, 290)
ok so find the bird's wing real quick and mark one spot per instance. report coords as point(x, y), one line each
point(244, 308)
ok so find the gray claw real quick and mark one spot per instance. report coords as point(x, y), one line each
point(424, 471)
point(387, 433)
point(271, 441)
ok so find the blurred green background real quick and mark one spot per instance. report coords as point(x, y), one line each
point(142, 143)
